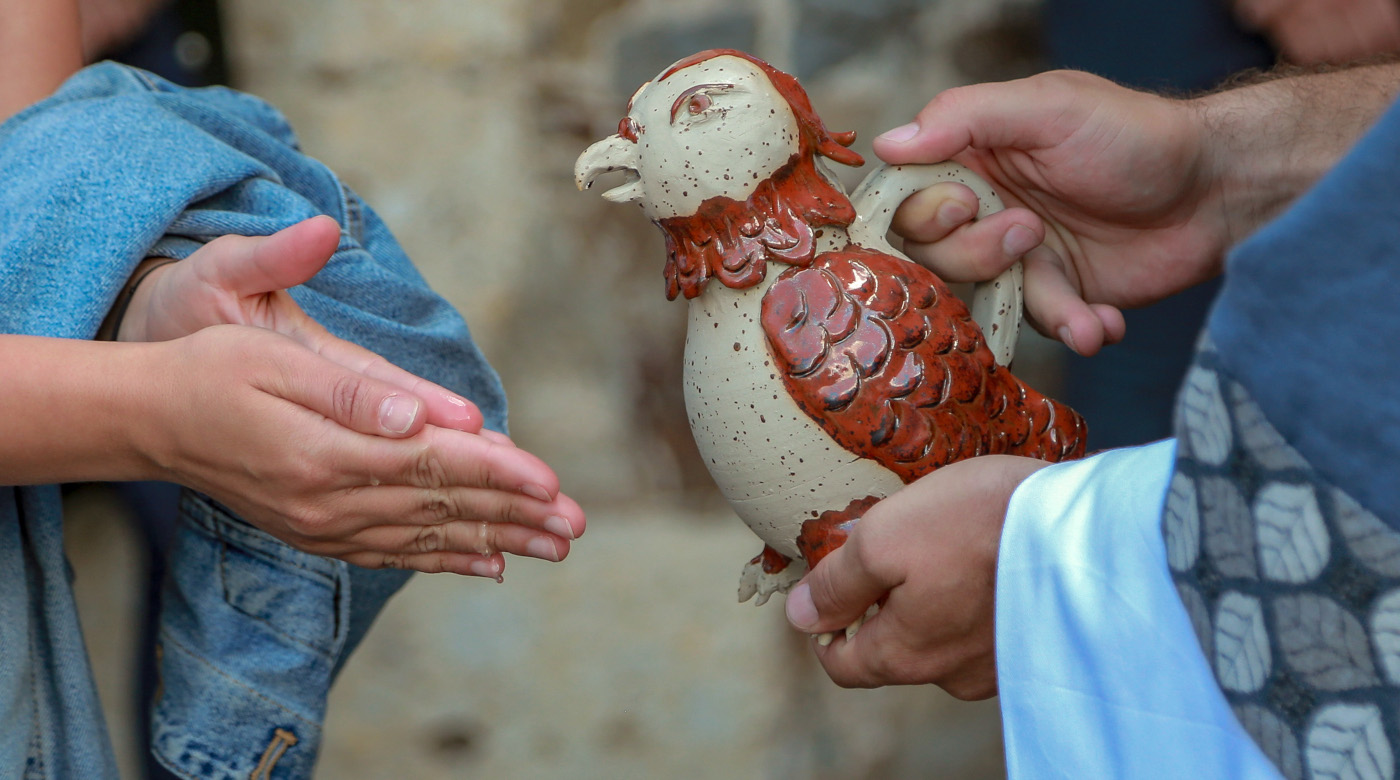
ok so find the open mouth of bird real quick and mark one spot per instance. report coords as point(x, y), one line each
point(610, 156)
point(622, 193)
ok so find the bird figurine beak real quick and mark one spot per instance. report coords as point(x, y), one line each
point(613, 153)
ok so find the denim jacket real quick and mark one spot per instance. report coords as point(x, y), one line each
point(117, 166)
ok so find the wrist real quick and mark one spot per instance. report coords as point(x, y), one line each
point(129, 319)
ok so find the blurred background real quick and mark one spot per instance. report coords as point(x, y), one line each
point(459, 121)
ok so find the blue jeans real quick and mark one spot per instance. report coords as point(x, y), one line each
point(117, 166)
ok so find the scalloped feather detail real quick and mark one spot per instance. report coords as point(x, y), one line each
point(889, 362)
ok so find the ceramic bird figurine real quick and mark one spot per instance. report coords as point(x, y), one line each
point(823, 369)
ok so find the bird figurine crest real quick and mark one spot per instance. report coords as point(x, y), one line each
point(823, 368)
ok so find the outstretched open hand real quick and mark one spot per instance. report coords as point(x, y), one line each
point(325, 444)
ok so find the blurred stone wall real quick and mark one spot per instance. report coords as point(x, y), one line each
point(459, 121)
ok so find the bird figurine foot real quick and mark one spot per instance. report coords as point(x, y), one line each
point(769, 572)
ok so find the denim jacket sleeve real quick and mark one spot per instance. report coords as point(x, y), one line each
point(120, 165)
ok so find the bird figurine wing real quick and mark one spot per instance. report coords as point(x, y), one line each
point(880, 353)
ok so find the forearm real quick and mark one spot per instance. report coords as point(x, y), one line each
point(1270, 140)
point(71, 410)
point(40, 47)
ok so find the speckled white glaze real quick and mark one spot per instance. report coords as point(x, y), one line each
point(775, 465)
point(746, 133)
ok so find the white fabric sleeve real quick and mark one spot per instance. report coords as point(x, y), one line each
point(1099, 670)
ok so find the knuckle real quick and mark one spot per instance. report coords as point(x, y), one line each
point(947, 100)
point(847, 676)
point(483, 473)
point(311, 474)
point(347, 394)
point(308, 522)
point(880, 667)
point(433, 564)
point(430, 539)
point(392, 561)
point(512, 512)
point(859, 546)
point(825, 596)
point(439, 505)
point(428, 470)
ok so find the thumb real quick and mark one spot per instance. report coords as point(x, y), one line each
point(350, 399)
point(291, 256)
point(839, 590)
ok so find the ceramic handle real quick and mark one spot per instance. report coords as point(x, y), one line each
point(996, 304)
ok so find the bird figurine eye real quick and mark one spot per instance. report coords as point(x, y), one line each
point(696, 100)
point(698, 103)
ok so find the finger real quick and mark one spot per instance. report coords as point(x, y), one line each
point(420, 506)
point(863, 660)
point(351, 400)
point(1114, 326)
point(1058, 311)
point(983, 249)
point(467, 564)
point(931, 214)
point(496, 437)
point(839, 590)
point(1015, 114)
point(463, 536)
point(253, 265)
point(445, 408)
point(443, 457)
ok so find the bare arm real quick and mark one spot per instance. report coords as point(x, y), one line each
point(328, 459)
point(40, 47)
point(68, 407)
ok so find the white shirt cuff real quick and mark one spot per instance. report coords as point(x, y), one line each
point(1099, 670)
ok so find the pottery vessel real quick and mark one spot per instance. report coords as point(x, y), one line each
point(823, 368)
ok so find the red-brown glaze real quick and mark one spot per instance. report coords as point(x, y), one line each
point(829, 530)
point(772, 560)
point(732, 241)
point(888, 361)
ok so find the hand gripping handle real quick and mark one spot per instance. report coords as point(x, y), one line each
point(996, 304)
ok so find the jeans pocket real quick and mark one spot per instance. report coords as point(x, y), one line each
point(294, 594)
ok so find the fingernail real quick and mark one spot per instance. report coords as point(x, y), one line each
point(1018, 241)
point(952, 214)
point(542, 548)
point(460, 406)
point(801, 610)
point(485, 568)
point(536, 492)
point(397, 413)
point(902, 133)
point(559, 527)
point(1067, 337)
